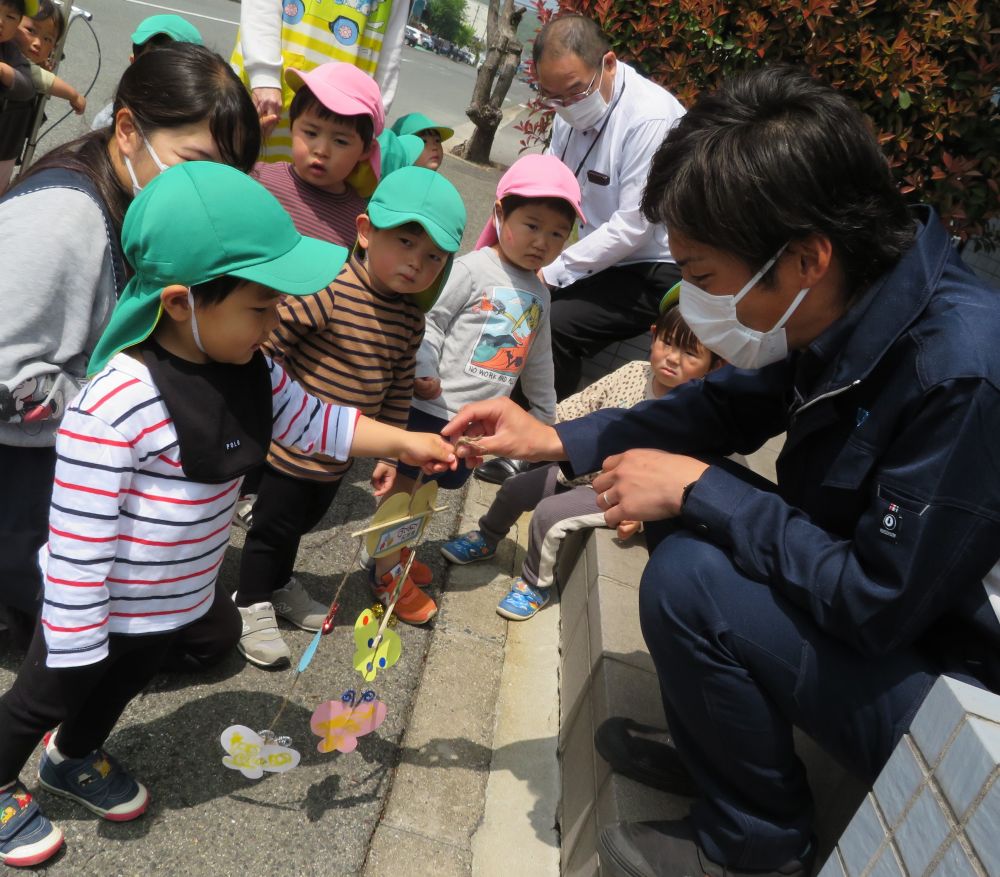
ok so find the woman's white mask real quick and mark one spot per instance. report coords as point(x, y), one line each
point(136, 188)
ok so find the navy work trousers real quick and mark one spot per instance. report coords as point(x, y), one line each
point(738, 666)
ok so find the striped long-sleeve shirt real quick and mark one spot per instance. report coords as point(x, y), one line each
point(134, 545)
point(347, 345)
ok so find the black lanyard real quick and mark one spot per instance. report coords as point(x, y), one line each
point(604, 125)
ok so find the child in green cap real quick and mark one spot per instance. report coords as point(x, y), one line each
point(354, 343)
point(150, 459)
point(432, 134)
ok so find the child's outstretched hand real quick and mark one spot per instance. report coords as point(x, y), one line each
point(383, 477)
point(428, 451)
point(627, 529)
point(427, 388)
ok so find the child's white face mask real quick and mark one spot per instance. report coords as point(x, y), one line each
point(136, 188)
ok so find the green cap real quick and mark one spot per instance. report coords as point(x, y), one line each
point(398, 152)
point(199, 220)
point(175, 27)
point(414, 123)
point(416, 194)
point(31, 8)
point(671, 297)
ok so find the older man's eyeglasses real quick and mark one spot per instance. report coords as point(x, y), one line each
point(553, 102)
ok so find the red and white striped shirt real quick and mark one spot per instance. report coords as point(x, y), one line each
point(134, 545)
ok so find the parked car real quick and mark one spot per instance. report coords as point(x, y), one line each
point(411, 35)
point(427, 41)
point(467, 56)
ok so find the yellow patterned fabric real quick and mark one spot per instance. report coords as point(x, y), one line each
point(314, 32)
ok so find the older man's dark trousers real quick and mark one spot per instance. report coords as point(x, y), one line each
point(738, 666)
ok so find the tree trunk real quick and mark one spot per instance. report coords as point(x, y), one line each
point(503, 54)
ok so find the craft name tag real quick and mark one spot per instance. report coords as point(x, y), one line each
point(399, 536)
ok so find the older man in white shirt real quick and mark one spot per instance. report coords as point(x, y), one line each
point(609, 122)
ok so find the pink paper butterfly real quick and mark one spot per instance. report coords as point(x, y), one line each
point(339, 723)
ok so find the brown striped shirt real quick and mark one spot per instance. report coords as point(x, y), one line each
point(347, 345)
point(316, 213)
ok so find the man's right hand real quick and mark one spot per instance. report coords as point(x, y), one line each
point(504, 428)
point(268, 104)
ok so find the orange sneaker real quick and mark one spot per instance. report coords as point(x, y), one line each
point(413, 605)
point(419, 572)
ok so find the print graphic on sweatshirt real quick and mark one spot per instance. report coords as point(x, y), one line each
point(512, 319)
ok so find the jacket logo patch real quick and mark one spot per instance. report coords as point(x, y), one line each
point(890, 522)
point(232, 445)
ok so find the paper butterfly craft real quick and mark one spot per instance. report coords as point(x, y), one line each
point(251, 755)
point(368, 660)
point(400, 521)
point(339, 723)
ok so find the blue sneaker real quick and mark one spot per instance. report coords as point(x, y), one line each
point(26, 835)
point(468, 548)
point(97, 781)
point(522, 601)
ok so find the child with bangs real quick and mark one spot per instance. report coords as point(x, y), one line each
point(336, 116)
point(491, 323)
point(561, 506)
point(353, 343)
point(180, 405)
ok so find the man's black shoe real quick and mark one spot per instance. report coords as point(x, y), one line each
point(644, 754)
point(668, 849)
point(499, 469)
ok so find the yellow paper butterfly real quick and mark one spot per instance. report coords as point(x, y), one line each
point(367, 660)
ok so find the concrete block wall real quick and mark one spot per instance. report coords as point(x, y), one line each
point(605, 671)
point(934, 811)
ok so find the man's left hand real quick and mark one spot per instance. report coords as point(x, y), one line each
point(644, 485)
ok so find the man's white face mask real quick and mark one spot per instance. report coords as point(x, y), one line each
point(713, 320)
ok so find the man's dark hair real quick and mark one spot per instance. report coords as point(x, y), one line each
point(571, 34)
point(305, 100)
point(671, 328)
point(775, 156)
point(510, 203)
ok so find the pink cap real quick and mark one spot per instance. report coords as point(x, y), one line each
point(347, 91)
point(535, 176)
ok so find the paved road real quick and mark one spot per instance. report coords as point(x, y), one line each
point(428, 82)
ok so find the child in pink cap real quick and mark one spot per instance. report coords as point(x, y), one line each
point(336, 115)
point(490, 325)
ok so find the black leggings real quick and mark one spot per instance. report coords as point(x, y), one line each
point(85, 702)
point(286, 509)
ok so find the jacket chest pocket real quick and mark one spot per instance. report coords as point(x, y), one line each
point(851, 467)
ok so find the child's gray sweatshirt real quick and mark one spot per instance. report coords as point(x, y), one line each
point(489, 326)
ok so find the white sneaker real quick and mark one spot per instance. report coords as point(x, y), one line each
point(295, 605)
point(244, 511)
point(261, 642)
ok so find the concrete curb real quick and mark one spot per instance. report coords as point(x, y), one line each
point(478, 777)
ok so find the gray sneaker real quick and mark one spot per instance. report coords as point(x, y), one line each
point(295, 605)
point(261, 642)
point(244, 511)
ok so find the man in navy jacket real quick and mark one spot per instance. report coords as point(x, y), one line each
point(833, 600)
